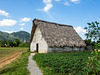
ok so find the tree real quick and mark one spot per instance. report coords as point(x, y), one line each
point(11, 43)
point(93, 31)
point(8, 43)
point(16, 42)
point(3, 43)
point(0, 43)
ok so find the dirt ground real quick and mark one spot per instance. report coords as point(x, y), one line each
point(9, 59)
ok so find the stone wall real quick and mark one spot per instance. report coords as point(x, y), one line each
point(38, 39)
point(64, 49)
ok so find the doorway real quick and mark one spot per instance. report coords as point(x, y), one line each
point(37, 47)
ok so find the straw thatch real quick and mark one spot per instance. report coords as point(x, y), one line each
point(57, 35)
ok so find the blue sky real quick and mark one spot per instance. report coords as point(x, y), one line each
point(17, 15)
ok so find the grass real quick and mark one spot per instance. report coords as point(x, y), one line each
point(6, 52)
point(18, 66)
point(71, 63)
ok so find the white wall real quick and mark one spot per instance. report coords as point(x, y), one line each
point(43, 47)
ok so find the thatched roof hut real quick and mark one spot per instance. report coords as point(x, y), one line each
point(56, 35)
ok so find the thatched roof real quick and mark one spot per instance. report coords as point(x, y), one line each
point(58, 35)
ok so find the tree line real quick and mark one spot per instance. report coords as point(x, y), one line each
point(15, 43)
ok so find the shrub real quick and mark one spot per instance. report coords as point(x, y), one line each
point(93, 64)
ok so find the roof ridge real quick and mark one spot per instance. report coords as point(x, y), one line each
point(52, 22)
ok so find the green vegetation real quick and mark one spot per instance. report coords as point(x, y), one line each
point(22, 44)
point(15, 43)
point(97, 46)
point(10, 46)
point(17, 67)
point(89, 42)
point(21, 35)
point(93, 64)
point(63, 63)
point(93, 35)
point(93, 31)
point(16, 39)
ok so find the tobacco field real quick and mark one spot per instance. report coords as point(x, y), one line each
point(71, 63)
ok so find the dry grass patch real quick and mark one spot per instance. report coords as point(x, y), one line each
point(7, 55)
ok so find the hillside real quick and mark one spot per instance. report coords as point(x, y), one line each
point(21, 35)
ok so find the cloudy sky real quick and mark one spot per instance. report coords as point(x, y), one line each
point(17, 15)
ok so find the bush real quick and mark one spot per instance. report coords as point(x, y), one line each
point(93, 64)
point(28, 50)
point(22, 44)
point(97, 46)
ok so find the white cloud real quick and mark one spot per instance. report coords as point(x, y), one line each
point(57, 0)
point(7, 22)
point(47, 1)
point(3, 13)
point(22, 24)
point(25, 19)
point(66, 3)
point(9, 31)
point(21, 28)
point(47, 7)
point(74, 0)
point(80, 30)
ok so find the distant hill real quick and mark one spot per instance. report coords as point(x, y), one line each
point(21, 35)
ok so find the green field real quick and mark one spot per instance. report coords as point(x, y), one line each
point(19, 65)
point(6, 52)
point(71, 63)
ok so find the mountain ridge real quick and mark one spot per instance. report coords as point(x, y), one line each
point(23, 36)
